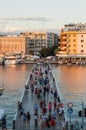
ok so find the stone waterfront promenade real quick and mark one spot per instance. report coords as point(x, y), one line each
point(40, 107)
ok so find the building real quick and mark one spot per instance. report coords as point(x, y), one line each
point(81, 43)
point(38, 40)
point(26, 43)
point(14, 44)
point(75, 27)
point(73, 42)
point(56, 39)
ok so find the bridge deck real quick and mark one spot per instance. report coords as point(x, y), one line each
point(29, 99)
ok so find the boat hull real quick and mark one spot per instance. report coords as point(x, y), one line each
point(12, 62)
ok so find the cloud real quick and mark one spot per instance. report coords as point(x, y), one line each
point(10, 29)
point(3, 22)
point(14, 30)
point(24, 19)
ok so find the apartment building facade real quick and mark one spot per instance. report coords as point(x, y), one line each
point(11, 44)
point(81, 41)
point(38, 40)
point(26, 43)
point(73, 42)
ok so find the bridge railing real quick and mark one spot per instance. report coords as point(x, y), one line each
point(59, 95)
point(22, 97)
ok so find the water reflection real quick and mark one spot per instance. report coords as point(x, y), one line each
point(72, 84)
point(14, 78)
point(71, 81)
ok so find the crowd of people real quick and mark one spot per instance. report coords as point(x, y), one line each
point(47, 107)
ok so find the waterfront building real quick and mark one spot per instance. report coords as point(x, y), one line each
point(27, 42)
point(81, 43)
point(14, 44)
point(73, 42)
point(38, 40)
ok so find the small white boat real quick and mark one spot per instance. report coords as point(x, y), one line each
point(12, 59)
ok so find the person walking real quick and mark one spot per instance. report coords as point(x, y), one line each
point(35, 107)
point(50, 106)
point(63, 124)
point(28, 118)
point(24, 120)
point(36, 118)
point(4, 126)
point(53, 123)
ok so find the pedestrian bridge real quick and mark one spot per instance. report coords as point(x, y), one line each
point(37, 90)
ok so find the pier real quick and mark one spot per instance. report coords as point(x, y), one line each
point(41, 98)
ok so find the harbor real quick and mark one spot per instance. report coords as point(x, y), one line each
point(60, 59)
point(68, 88)
point(42, 65)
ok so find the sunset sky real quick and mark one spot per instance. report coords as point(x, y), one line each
point(24, 15)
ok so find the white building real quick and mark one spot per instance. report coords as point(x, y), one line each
point(74, 27)
point(38, 40)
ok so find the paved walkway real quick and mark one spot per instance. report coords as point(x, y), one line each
point(29, 100)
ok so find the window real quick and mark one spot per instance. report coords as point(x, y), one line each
point(82, 40)
point(74, 45)
point(74, 35)
point(74, 50)
point(69, 35)
point(69, 45)
point(74, 40)
point(69, 40)
point(81, 35)
point(82, 51)
point(81, 45)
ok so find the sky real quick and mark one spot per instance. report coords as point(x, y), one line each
point(40, 15)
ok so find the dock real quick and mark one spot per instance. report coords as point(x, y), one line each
point(40, 91)
point(33, 62)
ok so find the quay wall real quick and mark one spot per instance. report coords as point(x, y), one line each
point(33, 62)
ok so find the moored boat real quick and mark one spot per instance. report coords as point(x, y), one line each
point(12, 59)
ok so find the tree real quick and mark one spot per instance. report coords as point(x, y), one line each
point(55, 51)
point(44, 52)
point(48, 51)
point(31, 53)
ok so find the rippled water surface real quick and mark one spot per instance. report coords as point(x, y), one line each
point(71, 81)
point(14, 78)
